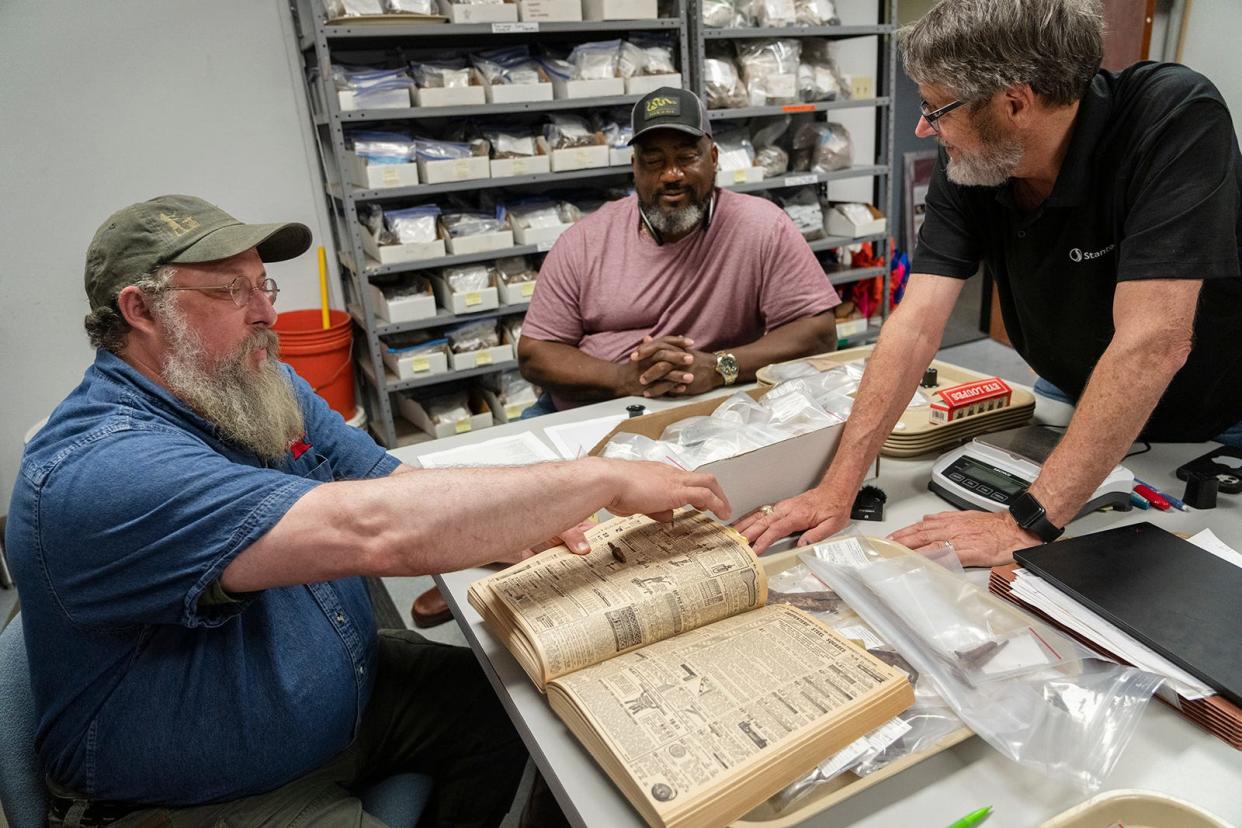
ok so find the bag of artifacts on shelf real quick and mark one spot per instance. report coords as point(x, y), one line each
point(473, 336)
point(818, 77)
point(510, 141)
point(765, 136)
point(515, 270)
point(448, 409)
point(803, 207)
point(382, 147)
point(511, 389)
point(722, 82)
point(725, 14)
point(460, 223)
point(595, 61)
point(409, 225)
point(540, 212)
point(568, 131)
point(770, 70)
point(368, 84)
point(448, 73)
point(416, 342)
point(772, 14)
point(646, 55)
point(616, 127)
point(512, 327)
point(469, 278)
point(429, 149)
point(823, 147)
point(362, 8)
point(816, 13)
point(510, 65)
point(735, 149)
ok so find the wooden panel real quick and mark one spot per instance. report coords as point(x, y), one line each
point(1127, 31)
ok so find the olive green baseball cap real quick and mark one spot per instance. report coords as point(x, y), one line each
point(177, 229)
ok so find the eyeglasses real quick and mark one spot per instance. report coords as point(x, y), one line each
point(239, 290)
point(933, 117)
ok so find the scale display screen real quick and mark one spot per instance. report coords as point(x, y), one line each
point(995, 478)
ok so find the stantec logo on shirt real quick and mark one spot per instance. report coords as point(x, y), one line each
point(1080, 255)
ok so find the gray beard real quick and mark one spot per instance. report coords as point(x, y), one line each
point(992, 166)
point(256, 410)
point(677, 223)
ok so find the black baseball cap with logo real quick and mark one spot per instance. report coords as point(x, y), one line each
point(669, 108)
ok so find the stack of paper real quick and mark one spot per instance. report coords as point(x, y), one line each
point(1185, 693)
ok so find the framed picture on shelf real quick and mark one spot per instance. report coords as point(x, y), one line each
point(919, 167)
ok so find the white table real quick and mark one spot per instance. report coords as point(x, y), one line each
point(1168, 754)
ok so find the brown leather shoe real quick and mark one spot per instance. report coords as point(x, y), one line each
point(430, 609)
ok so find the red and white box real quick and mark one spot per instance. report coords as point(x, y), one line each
point(970, 398)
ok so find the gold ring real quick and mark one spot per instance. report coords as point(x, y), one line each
point(767, 510)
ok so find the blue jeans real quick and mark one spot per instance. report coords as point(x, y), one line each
point(1231, 436)
point(541, 406)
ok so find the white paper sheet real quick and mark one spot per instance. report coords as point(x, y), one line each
point(1208, 541)
point(574, 440)
point(516, 450)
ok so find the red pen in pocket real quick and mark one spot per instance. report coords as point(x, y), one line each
point(1153, 497)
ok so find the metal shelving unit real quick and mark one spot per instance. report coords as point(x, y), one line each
point(376, 42)
point(881, 168)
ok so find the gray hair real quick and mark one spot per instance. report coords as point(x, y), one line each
point(106, 327)
point(976, 48)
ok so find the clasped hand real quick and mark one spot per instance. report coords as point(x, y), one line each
point(669, 366)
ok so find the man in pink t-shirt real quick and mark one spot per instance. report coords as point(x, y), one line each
point(679, 288)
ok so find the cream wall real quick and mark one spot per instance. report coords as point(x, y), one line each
point(109, 103)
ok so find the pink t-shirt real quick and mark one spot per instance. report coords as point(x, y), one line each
point(605, 285)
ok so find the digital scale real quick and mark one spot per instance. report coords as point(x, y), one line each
point(987, 473)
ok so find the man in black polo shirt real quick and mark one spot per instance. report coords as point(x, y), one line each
point(1107, 209)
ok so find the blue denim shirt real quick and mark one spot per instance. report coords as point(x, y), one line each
point(126, 510)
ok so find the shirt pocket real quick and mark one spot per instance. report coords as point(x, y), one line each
point(321, 470)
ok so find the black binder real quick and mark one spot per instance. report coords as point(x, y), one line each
point(1183, 602)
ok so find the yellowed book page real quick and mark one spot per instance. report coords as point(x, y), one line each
point(691, 714)
point(643, 581)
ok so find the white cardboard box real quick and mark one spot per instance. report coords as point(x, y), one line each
point(539, 235)
point(757, 477)
point(839, 224)
point(472, 95)
point(598, 88)
point(388, 99)
point(483, 357)
point(411, 366)
point(403, 308)
point(620, 156)
point(470, 301)
point(480, 243)
point(504, 413)
point(741, 176)
point(517, 293)
point(454, 169)
point(580, 158)
point(642, 84)
point(619, 9)
point(377, 176)
point(397, 253)
point(550, 10)
point(413, 411)
point(851, 327)
point(518, 92)
point(529, 165)
point(479, 13)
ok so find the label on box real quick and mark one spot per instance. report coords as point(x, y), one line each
point(512, 412)
point(521, 166)
point(581, 156)
point(483, 358)
point(389, 175)
point(799, 180)
point(515, 28)
point(542, 247)
point(474, 298)
point(528, 289)
point(461, 167)
point(461, 425)
point(420, 364)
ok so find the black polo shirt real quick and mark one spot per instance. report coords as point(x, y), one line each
point(1151, 189)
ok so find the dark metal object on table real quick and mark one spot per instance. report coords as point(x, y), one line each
point(635, 410)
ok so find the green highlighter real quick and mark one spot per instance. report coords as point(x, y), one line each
point(973, 818)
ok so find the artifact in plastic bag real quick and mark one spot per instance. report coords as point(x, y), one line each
point(829, 143)
point(510, 388)
point(735, 149)
point(816, 13)
point(774, 13)
point(595, 61)
point(415, 342)
point(366, 84)
point(615, 126)
point(428, 149)
point(448, 409)
point(770, 70)
point(566, 131)
point(510, 141)
point(722, 84)
point(802, 206)
point(453, 73)
point(380, 147)
point(471, 223)
point(798, 413)
point(534, 212)
point(413, 225)
point(410, 286)
point(743, 409)
point(773, 160)
point(512, 326)
point(627, 446)
point(510, 65)
point(468, 278)
point(656, 51)
point(473, 336)
point(723, 14)
point(516, 269)
point(411, 6)
point(818, 77)
point(702, 440)
point(353, 8)
point(1032, 693)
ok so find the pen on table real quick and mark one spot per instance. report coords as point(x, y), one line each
point(1139, 501)
point(973, 818)
point(1153, 497)
point(1173, 501)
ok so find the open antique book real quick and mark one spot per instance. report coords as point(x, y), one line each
point(658, 653)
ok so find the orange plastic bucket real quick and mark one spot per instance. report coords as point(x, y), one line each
point(321, 356)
